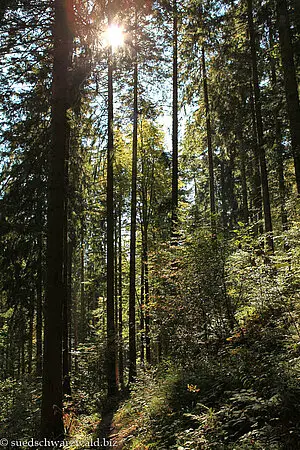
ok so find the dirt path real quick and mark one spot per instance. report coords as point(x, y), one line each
point(108, 432)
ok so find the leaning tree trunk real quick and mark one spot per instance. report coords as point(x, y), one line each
point(51, 414)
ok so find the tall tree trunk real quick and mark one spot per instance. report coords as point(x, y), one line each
point(296, 11)
point(30, 337)
point(175, 118)
point(244, 182)
point(146, 279)
point(51, 414)
point(231, 191)
point(66, 306)
point(144, 229)
point(22, 345)
point(39, 309)
point(75, 328)
point(278, 135)
point(209, 146)
point(259, 128)
point(66, 299)
point(116, 289)
point(120, 321)
point(132, 272)
point(223, 196)
point(110, 310)
point(257, 198)
point(69, 302)
point(290, 83)
point(82, 321)
point(142, 316)
point(116, 294)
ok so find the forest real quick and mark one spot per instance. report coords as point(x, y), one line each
point(150, 224)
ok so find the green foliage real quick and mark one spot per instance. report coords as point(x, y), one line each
point(227, 312)
point(19, 408)
point(244, 395)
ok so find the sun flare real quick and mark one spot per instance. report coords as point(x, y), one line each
point(114, 36)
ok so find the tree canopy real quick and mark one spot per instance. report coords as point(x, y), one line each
point(149, 224)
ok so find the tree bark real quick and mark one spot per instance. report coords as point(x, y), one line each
point(175, 119)
point(120, 321)
point(290, 83)
point(278, 135)
point(259, 128)
point(30, 338)
point(144, 230)
point(142, 316)
point(257, 198)
point(66, 318)
point(146, 280)
point(39, 306)
point(51, 414)
point(132, 270)
point(209, 146)
point(223, 196)
point(111, 332)
point(244, 182)
point(82, 322)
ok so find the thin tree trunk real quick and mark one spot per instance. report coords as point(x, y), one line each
point(66, 306)
point(30, 338)
point(290, 83)
point(22, 345)
point(223, 195)
point(244, 183)
point(75, 327)
point(70, 303)
point(259, 128)
point(142, 316)
point(132, 272)
point(120, 322)
point(278, 136)
point(82, 322)
point(147, 311)
point(232, 198)
point(257, 198)
point(116, 294)
point(111, 332)
point(39, 306)
point(209, 146)
point(65, 303)
point(175, 119)
point(243, 157)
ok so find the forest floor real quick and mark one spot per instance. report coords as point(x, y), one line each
point(108, 431)
point(246, 396)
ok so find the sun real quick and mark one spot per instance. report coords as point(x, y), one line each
point(114, 36)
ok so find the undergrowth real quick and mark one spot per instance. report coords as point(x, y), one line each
point(244, 396)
